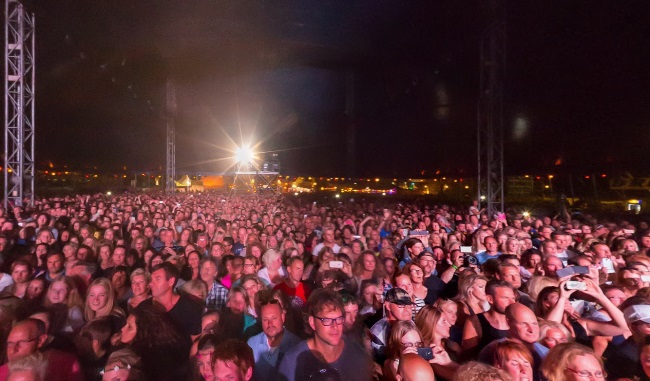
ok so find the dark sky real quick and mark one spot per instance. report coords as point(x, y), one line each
point(577, 86)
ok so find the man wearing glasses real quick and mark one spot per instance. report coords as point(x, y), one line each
point(326, 353)
point(431, 281)
point(29, 336)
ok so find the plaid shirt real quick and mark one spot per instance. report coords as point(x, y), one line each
point(216, 299)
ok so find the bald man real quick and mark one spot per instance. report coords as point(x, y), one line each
point(414, 368)
point(28, 337)
point(524, 328)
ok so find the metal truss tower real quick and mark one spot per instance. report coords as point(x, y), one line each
point(254, 178)
point(170, 113)
point(20, 43)
point(490, 109)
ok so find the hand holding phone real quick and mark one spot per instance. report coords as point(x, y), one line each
point(426, 353)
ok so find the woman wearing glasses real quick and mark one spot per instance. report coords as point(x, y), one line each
point(416, 273)
point(404, 338)
point(573, 362)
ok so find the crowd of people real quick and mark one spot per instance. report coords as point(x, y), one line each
point(256, 287)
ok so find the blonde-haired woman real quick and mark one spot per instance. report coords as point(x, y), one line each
point(100, 300)
point(572, 362)
point(273, 272)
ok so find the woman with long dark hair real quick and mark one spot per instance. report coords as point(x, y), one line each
point(163, 349)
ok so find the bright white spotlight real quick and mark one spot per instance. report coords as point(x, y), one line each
point(244, 155)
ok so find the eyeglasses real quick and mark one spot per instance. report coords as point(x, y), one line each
point(417, 344)
point(588, 374)
point(20, 343)
point(115, 368)
point(328, 321)
point(416, 271)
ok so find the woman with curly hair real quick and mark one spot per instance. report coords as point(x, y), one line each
point(163, 349)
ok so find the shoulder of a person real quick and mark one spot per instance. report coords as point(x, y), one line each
point(256, 339)
point(295, 351)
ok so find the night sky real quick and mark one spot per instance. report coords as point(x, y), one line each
point(577, 92)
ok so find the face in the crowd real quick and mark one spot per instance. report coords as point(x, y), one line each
point(296, 270)
point(399, 311)
point(450, 312)
point(513, 246)
point(139, 285)
point(428, 263)
point(389, 266)
point(518, 367)
point(404, 282)
point(534, 261)
point(411, 339)
point(228, 371)
point(584, 364)
point(119, 280)
point(58, 292)
point(602, 251)
point(417, 275)
point(20, 274)
point(369, 262)
point(35, 288)
point(129, 330)
point(23, 340)
point(351, 313)
point(549, 248)
point(160, 285)
point(491, 245)
point(216, 251)
point(478, 289)
point(442, 327)
point(256, 251)
point(524, 325)
point(249, 267)
point(237, 266)
point(416, 249)
point(272, 318)
point(615, 296)
point(204, 362)
point(551, 265)
point(208, 272)
point(503, 297)
point(369, 294)
point(119, 254)
point(252, 287)
point(331, 333)
point(554, 337)
point(237, 303)
point(512, 276)
point(97, 297)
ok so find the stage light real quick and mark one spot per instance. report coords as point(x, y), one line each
point(244, 155)
point(526, 214)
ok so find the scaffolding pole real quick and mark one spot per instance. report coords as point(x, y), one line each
point(20, 43)
point(170, 111)
point(490, 109)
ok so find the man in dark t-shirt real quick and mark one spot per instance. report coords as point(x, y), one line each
point(184, 312)
point(326, 353)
